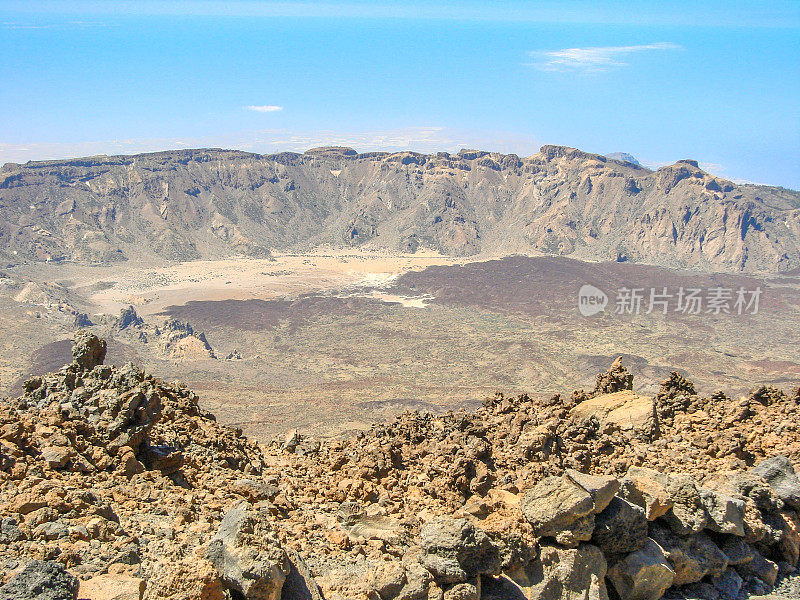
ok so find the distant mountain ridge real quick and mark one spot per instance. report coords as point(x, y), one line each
point(210, 203)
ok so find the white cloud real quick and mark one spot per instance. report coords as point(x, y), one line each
point(592, 59)
point(264, 108)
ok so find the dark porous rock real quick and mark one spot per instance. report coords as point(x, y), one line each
point(738, 551)
point(728, 584)
point(692, 557)
point(616, 379)
point(688, 513)
point(620, 528)
point(162, 458)
point(9, 531)
point(455, 550)
point(82, 320)
point(761, 568)
point(128, 318)
point(41, 580)
point(779, 472)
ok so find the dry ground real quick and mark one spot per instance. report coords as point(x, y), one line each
point(334, 341)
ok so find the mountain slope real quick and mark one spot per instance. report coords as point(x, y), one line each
point(190, 204)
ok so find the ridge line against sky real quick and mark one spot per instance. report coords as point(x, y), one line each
point(712, 81)
point(426, 140)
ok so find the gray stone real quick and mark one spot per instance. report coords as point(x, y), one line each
point(620, 528)
point(247, 555)
point(418, 582)
point(563, 574)
point(560, 508)
point(642, 575)
point(779, 473)
point(254, 491)
point(57, 457)
point(9, 532)
point(725, 513)
point(691, 557)
point(52, 530)
point(455, 550)
point(774, 527)
point(747, 484)
point(299, 584)
point(41, 581)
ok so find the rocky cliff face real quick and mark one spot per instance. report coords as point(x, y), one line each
point(191, 204)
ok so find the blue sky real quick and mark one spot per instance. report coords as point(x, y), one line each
point(714, 81)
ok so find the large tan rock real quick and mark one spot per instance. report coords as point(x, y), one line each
point(558, 507)
point(112, 587)
point(622, 410)
point(646, 488)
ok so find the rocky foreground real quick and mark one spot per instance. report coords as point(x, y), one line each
point(116, 485)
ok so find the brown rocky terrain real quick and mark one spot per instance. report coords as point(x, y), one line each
point(115, 484)
point(191, 204)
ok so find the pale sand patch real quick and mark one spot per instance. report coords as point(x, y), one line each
point(288, 275)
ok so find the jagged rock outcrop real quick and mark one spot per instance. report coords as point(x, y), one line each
point(190, 204)
point(176, 339)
